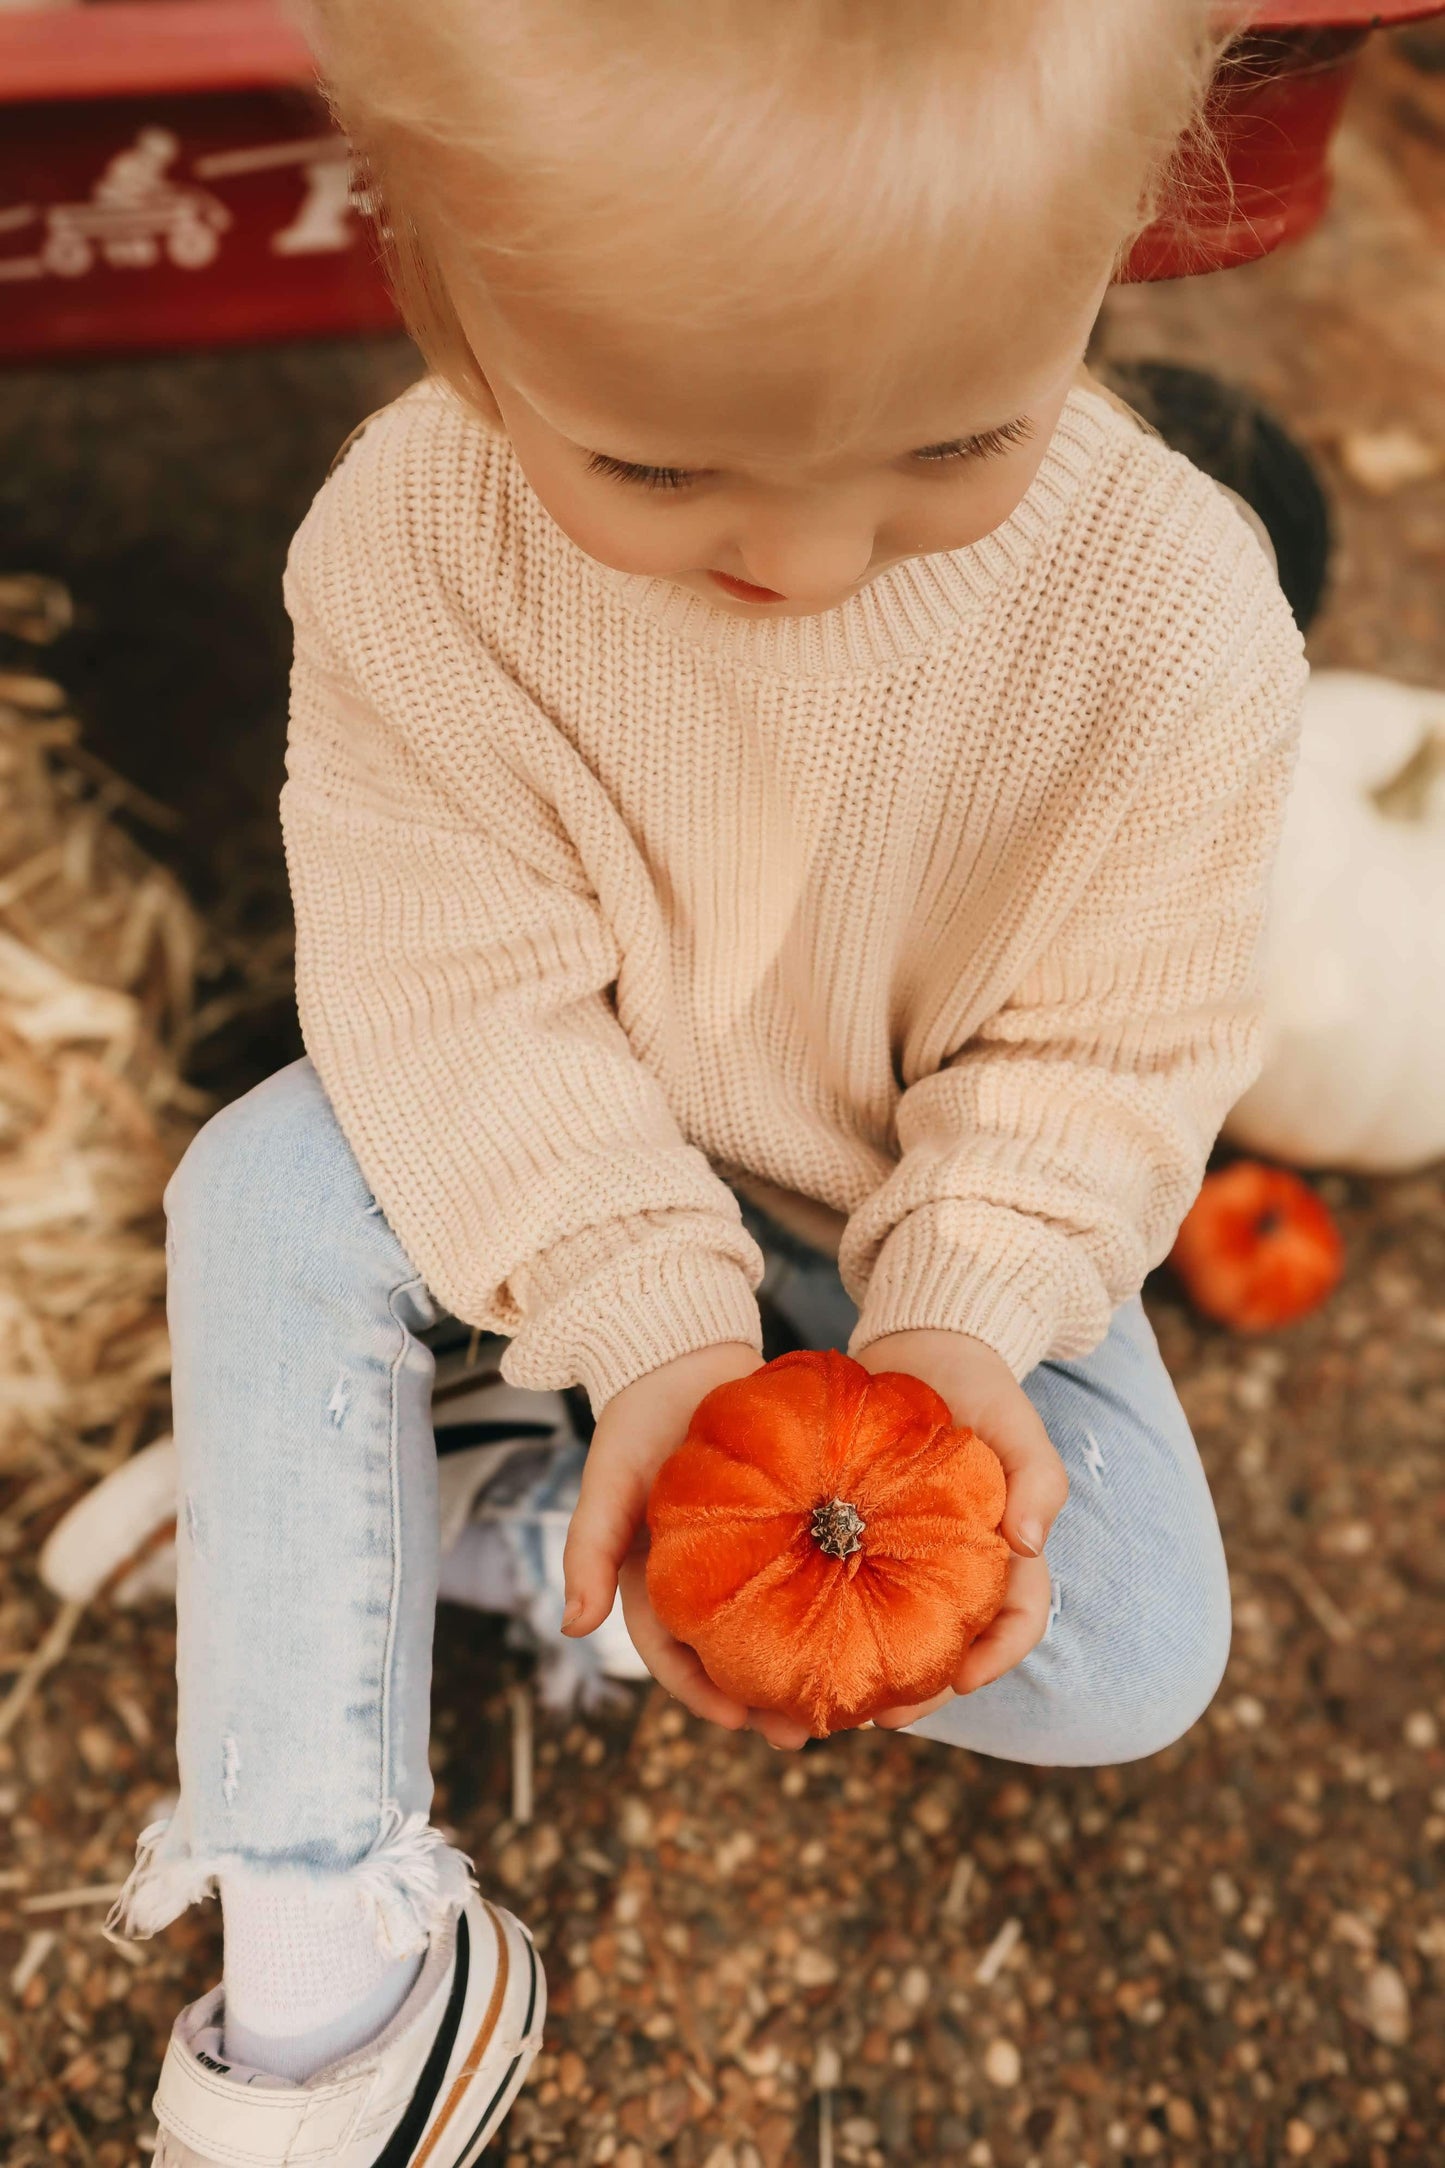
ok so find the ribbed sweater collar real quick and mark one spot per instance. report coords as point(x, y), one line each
point(907, 607)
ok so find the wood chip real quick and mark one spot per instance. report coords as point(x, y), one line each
point(1321, 1606)
point(998, 1953)
point(38, 1947)
point(134, 1953)
point(954, 1907)
point(827, 2077)
point(520, 1698)
point(46, 1657)
point(65, 1900)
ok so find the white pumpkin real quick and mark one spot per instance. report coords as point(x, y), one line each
point(1354, 1064)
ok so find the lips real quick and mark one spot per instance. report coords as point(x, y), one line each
point(744, 590)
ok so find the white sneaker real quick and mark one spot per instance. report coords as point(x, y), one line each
point(433, 2087)
point(120, 1537)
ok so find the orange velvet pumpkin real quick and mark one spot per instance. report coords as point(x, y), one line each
point(826, 1540)
point(1257, 1248)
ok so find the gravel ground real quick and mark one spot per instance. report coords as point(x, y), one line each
point(1234, 1952)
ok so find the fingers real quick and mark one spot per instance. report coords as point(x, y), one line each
point(679, 1671)
point(611, 1502)
point(674, 1666)
point(783, 1732)
point(909, 1713)
point(1037, 1482)
point(1018, 1628)
point(635, 1432)
point(983, 1393)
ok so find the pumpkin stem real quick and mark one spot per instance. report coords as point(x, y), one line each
point(838, 1528)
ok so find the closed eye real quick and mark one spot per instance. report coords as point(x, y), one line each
point(627, 470)
point(987, 444)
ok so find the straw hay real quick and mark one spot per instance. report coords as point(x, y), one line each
point(99, 957)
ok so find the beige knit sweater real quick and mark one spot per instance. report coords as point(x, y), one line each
point(941, 909)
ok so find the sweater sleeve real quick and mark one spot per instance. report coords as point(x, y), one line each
point(454, 989)
point(1045, 1167)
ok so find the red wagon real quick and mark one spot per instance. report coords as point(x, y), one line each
point(168, 177)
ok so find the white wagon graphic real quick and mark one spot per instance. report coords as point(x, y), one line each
point(135, 215)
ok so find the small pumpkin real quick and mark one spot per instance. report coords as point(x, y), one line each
point(1258, 1248)
point(827, 1540)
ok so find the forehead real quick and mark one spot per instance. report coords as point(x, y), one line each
point(686, 396)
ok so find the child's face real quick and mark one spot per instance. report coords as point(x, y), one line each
point(680, 460)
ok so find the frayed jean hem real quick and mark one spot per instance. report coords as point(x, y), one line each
point(411, 1878)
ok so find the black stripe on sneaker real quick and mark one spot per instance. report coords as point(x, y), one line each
point(402, 2143)
point(483, 2129)
point(456, 1437)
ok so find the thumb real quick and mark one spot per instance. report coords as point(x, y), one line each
point(1038, 1484)
point(609, 1507)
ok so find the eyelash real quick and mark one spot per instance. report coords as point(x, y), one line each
point(987, 445)
point(623, 470)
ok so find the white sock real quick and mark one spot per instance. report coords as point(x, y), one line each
point(305, 1983)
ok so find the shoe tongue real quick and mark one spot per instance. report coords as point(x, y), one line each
point(208, 2048)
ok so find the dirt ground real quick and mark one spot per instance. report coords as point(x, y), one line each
point(1234, 1952)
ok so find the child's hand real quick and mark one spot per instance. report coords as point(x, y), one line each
point(982, 1392)
point(606, 1543)
point(648, 1419)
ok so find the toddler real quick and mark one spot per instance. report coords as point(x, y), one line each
point(782, 788)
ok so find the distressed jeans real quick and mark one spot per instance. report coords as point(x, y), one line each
point(308, 1530)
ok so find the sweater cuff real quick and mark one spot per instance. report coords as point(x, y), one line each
point(648, 1310)
point(950, 1267)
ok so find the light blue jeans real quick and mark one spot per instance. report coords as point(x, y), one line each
point(308, 1529)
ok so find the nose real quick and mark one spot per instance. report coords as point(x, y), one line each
point(811, 557)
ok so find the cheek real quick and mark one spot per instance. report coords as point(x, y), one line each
point(658, 539)
point(956, 518)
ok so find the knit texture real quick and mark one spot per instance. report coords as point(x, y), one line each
point(943, 908)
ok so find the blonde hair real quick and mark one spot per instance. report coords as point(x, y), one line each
point(754, 162)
